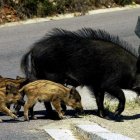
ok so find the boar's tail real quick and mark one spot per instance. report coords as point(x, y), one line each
point(25, 65)
point(22, 92)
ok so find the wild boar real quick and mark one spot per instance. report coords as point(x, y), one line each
point(44, 90)
point(18, 82)
point(93, 58)
point(9, 95)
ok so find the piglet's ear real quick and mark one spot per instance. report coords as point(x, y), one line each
point(72, 90)
point(18, 77)
point(8, 88)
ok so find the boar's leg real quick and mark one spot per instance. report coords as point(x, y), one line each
point(56, 102)
point(7, 111)
point(64, 108)
point(59, 78)
point(99, 100)
point(48, 107)
point(50, 110)
point(28, 104)
point(119, 94)
point(33, 117)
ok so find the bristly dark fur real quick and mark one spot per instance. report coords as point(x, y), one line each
point(88, 57)
point(88, 33)
point(25, 65)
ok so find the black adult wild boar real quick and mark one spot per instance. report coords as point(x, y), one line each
point(93, 58)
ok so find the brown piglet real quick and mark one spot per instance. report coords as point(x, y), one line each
point(44, 90)
point(8, 95)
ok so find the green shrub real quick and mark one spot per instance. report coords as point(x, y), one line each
point(44, 8)
point(28, 7)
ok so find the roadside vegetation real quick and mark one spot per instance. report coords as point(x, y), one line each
point(112, 105)
point(15, 10)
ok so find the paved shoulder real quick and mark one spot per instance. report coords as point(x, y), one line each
point(84, 132)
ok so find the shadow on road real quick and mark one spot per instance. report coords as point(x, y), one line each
point(70, 114)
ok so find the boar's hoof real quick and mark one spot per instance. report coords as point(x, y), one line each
point(64, 117)
point(33, 118)
point(117, 113)
point(102, 114)
point(14, 116)
point(118, 117)
point(26, 119)
point(61, 116)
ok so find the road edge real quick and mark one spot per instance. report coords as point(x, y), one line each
point(71, 15)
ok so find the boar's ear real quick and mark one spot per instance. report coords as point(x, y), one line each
point(72, 91)
point(0, 76)
point(18, 77)
point(8, 88)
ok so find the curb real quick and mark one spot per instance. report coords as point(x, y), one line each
point(96, 132)
point(84, 132)
point(67, 16)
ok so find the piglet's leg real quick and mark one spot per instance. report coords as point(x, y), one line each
point(33, 117)
point(5, 110)
point(56, 102)
point(29, 103)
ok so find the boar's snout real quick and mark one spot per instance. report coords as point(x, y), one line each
point(78, 107)
point(15, 97)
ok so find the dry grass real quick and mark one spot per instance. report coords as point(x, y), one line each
point(112, 105)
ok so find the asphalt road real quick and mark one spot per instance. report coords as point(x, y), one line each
point(15, 41)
